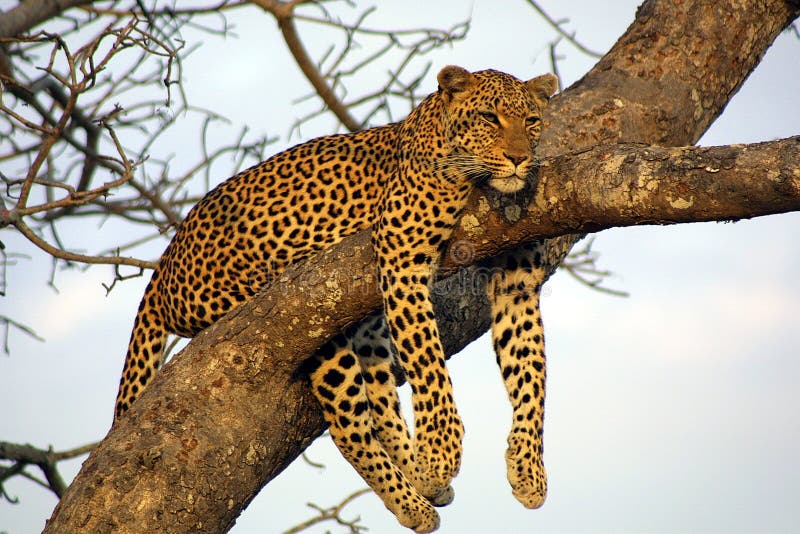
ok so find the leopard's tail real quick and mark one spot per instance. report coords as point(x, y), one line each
point(145, 350)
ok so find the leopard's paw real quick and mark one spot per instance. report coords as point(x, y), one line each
point(438, 452)
point(443, 496)
point(526, 475)
point(419, 517)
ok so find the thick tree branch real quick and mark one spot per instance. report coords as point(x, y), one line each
point(631, 184)
point(231, 412)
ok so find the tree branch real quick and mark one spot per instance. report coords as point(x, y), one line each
point(283, 13)
point(631, 184)
point(28, 14)
point(65, 255)
point(46, 460)
point(333, 514)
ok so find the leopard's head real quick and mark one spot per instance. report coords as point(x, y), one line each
point(493, 122)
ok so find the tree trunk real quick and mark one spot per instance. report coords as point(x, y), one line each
point(230, 412)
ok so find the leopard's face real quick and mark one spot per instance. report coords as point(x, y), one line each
point(493, 124)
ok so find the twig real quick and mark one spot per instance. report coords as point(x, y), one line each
point(8, 323)
point(119, 277)
point(311, 462)
point(581, 265)
point(333, 514)
point(554, 59)
point(557, 26)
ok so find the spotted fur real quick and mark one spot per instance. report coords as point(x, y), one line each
point(409, 181)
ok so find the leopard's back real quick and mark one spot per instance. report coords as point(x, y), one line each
point(244, 233)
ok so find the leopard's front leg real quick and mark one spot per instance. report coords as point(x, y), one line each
point(412, 229)
point(514, 286)
point(438, 430)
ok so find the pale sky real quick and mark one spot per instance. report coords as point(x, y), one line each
point(671, 410)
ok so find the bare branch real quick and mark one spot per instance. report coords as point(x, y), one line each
point(50, 110)
point(283, 13)
point(328, 75)
point(554, 59)
point(71, 256)
point(333, 514)
point(46, 460)
point(221, 7)
point(28, 14)
point(119, 277)
point(556, 24)
point(582, 265)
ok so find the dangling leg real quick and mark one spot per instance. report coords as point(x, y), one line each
point(371, 343)
point(518, 336)
point(339, 386)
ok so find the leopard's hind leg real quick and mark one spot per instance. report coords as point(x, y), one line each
point(339, 385)
point(513, 289)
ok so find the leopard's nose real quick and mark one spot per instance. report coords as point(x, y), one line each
point(516, 159)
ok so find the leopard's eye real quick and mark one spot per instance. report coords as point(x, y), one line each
point(489, 117)
point(532, 121)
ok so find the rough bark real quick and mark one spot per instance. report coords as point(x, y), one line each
point(230, 412)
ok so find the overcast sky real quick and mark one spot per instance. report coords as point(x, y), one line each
point(672, 410)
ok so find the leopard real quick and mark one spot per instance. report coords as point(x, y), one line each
point(407, 182)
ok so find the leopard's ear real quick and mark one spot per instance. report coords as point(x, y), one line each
point(454, 80)
point(542, 87)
